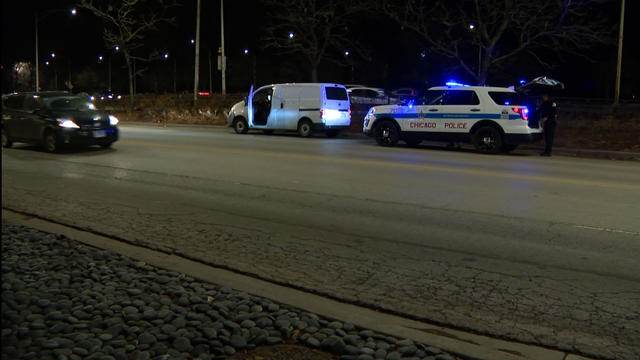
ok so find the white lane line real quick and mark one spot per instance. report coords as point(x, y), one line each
point(607, 230)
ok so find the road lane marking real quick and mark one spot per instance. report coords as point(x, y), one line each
point(387, 164)
point(607, 230)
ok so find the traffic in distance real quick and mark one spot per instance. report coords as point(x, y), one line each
point(493, 119)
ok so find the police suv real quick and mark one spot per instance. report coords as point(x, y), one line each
point(493, 119)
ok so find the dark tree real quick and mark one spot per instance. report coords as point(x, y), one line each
point(502, 30)
point(319, 29)
point(127, 23)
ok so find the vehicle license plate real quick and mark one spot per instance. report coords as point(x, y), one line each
point(99, 133)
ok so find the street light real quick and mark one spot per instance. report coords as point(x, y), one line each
point(36, 21)
point(291, 35)
point(117, 48)
point(472, 27)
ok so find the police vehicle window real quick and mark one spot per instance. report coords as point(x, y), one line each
point(336, 93)
point(507, 98)
point(461, 97)
point(432, 97)
point(13, 101)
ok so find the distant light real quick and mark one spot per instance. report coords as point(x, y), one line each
point(74, 11)
point(522, 81)
point(472, 26)
point(99, 57)
point(423, 53)
point(246, 51)
point(92, 97)
point(117, 48)
point(53, 55)
point(204, 93)
point(346, 53)
point(119, 96)
point(46, 62)
point(507, 102)
point(166, 55)
point(193, 41)
point(290, 35)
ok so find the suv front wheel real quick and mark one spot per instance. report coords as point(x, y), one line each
point(386, 133)
point(488, 140)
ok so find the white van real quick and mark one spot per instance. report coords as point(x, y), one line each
point(304, 108)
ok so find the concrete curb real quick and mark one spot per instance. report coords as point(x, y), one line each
point(604, 154)
point(460, 343)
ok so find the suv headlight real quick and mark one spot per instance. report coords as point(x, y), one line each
point(113, 120)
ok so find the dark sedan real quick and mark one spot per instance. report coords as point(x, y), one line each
point(55, 119)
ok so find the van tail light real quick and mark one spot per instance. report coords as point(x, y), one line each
point(523, 111)
point(349, 112)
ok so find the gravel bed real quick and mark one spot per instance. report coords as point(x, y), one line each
point(62, 299)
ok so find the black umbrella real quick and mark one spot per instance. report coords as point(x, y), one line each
point(540, 85)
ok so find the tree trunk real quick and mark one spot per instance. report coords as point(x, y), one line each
point(314, 73)
point(130, 70)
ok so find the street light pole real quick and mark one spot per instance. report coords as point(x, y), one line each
point(197, 65)
point(224, 63)
point(616, 97)
point(37, 58)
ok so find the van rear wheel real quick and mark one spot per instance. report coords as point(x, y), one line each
point(240, 126)
point(487, 140)
point(305, 128)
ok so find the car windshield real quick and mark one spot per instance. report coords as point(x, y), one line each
point(507, 98)
point(68, 103)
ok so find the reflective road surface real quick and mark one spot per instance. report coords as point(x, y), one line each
point(540, 250)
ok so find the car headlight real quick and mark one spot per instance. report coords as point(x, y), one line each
point(67, 123)
point(113, 120)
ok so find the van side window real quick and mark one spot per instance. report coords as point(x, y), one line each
point(336, 93)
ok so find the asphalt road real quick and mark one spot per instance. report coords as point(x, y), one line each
point(540, 250)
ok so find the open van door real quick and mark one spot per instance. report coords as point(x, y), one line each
point(250, 107)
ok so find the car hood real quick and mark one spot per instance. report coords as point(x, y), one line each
point(84, 117)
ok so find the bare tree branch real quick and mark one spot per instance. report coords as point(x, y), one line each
point(127, 22)
point(502, 29)
point(319, 27)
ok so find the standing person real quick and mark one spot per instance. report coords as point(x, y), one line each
point(548, 116)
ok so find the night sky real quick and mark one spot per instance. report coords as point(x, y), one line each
point(79, 38)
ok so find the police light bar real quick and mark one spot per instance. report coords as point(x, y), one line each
point(454, 83)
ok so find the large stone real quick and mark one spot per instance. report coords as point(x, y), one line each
point(182, 344)
point(333, 344)
point(312, 342)
point(238, 341)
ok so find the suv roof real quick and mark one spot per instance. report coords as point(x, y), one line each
point(463, 87)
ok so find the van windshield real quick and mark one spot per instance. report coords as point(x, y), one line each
point(336, 93)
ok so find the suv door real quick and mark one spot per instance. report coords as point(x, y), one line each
point(456, 110)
